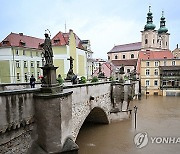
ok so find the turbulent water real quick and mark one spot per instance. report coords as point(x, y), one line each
point(158, 116)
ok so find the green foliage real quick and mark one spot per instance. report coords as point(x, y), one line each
point(95, 79)
point(111, 78)
point(82, 80)
point(60, 80)
point(126, 78)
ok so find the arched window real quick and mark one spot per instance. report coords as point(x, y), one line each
point(116, 57)
point(146, 41)
point(108, 57)
point(132, 55)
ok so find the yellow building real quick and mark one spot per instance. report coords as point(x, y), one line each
point(65, 45)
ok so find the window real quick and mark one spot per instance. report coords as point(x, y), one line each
point(24, 52)
point(31, 54)
point(17, 64)
point(166, 44)
point(147, 83)
point(132, 55)
point(164, 83)
point(38, 64)
point(173, 63)
point(32, 64)
point(25, 64)
point(164, 63)
point(37, 54)
point(116, 57)
point(17, 52)
point(156, 63)
point(128, 70)
point(153, 41)
point(155, 82)
point(146, 41)
point(124, 56)
point(38, 74)
point(18, 76)
point(25, 77)
point(147, 72)
point(108, 57)
point(156, 72)
point(147, 63)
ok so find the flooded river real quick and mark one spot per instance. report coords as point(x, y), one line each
point(158, 117)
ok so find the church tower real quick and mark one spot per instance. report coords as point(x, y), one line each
point(163, 36)
point(149, 35)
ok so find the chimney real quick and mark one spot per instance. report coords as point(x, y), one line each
point(21, 34)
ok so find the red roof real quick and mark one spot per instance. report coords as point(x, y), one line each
point(60, 39)
point(126, 47)
point(130, 62)
point(63, 39)
point(152, 55)
point(20, 40)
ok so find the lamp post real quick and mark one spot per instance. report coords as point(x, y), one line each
point(135, 112)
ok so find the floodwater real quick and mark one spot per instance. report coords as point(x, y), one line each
point(157, 116)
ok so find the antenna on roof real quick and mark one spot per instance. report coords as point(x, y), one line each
point(65, 26)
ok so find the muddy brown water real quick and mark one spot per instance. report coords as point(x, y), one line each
point(158, 116)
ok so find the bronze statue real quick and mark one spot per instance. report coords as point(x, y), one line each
point(48, 54)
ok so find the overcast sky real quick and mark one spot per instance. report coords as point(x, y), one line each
point(104, 22)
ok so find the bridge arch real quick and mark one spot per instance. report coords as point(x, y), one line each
point(97, 115)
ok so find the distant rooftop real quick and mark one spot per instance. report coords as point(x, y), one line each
point(153, 55)
point(126, 47)
point(21, 40)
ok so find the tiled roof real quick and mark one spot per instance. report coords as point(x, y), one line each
point(20, 40)
point(63, 39)
point(152, 55)
point(130, 62)
point(126, 47)
point(60, 39)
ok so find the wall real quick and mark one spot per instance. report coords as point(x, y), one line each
point(16, 121)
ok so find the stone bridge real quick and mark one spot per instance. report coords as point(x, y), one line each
point(32, 122)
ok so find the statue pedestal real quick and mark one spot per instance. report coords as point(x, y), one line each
point(49, 83)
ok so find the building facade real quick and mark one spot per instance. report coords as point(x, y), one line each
point(152, 78)
point(20, 57)
point(69, 44)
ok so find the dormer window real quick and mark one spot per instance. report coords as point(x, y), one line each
point(57, 41)
point(22, 43)
point(5, 42)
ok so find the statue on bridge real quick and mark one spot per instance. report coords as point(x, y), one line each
point(48, 52)
point(70, 72)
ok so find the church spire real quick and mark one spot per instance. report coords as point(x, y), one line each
point(162, 28)
point(149, 25)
